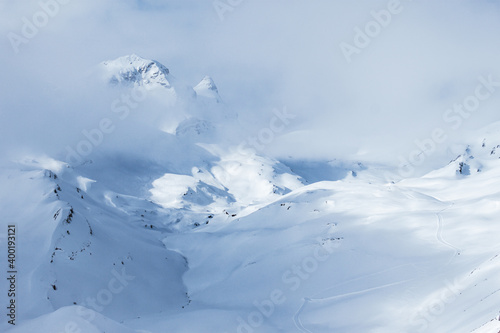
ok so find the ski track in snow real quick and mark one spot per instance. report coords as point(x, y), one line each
point(439, 235)
point(307, 300)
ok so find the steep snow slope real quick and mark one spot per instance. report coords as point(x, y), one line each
point(77, 248)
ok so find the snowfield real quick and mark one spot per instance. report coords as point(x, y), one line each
point(194, 235)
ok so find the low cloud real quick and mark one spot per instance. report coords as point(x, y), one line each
point(263, 55)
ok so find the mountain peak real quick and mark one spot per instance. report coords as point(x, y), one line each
point(207, 88)
point(137, 71)
point(207, 83)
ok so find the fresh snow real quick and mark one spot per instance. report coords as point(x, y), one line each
point(194, 235)
point(208, 89)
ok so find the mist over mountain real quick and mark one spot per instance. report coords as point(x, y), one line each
point(247, 167)
point(158, 223)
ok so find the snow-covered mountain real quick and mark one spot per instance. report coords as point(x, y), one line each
point(199, 110)
point(136, 71)
point(208, 89)
point(193, 235)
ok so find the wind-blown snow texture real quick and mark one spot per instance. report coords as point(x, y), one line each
point(192, 235)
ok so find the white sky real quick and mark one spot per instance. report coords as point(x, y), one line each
point(265, 54)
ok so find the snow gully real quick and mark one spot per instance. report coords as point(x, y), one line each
point(103, 298)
